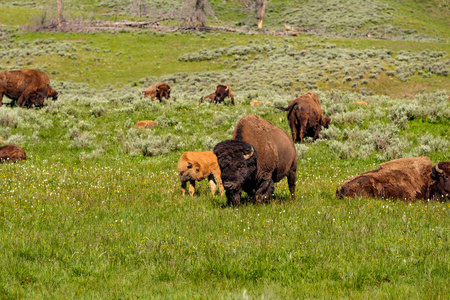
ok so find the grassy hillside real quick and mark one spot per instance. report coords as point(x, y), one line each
point(96, 209)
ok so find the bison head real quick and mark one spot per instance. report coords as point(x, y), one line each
point(163, 91)
point(325, 121)
point(191, 171)
point(441, 175)
point(222, 91)
point(237, 160)
point(52, 93)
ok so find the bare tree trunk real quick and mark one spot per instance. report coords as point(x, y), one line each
point(261, 9)
point(59, 7)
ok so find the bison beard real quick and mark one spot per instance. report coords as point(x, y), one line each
point(238, 166)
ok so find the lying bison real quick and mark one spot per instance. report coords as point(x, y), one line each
point(195, 166)
point(27, 87)
point(404, 178)
point(219, 95)
point(11, 153)
point(158, 91)
point(259, 155)
point(305, 117)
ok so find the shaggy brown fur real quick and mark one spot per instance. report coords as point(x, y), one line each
point(305, 117)
point(276, 154)
point(195, 166)
point(158, 91)
point(27, 87)
point(404, 178)
point(11, 153)
point(221, 92)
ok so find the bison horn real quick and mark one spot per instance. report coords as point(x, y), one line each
point(247, 156)
point(227, 89)
point(436, 167)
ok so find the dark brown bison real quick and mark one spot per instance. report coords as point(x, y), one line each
point(11, 153)
point(219, 95)
point(404, 178)
point(259, 155)
point(305, 117)
point(158, 91)
point(27, 87)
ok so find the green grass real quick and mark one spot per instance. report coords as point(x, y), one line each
point(88, 215)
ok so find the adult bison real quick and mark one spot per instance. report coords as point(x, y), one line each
point(404, 178)
point(305, 117)
point(196, 166)
point(259, 155)
point(11, 153)
point(219, 95)
point(27, 87)
point(158, 91)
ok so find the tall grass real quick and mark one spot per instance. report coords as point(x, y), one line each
point(96, 209)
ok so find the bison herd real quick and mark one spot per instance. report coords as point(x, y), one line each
point(259, 153)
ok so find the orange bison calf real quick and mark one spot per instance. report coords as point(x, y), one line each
point(195, 166)
point(11, 153)
point(158, 91)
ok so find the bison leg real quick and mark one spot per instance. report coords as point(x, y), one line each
point(233, 197)
point(294, 132)
point(22, 100)
point(212, 183)
point(218, 180)
point(191, 187)
point(232, 98)
point(183, 187)
point(291, 178)
point(265, 191)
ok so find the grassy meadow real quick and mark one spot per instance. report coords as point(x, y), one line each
point(96, 211)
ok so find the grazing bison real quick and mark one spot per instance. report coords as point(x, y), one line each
point(158, 90)
point(219, 95)
point(305, 117)
point(259, 155)
point(404, 178)
point(27, 87)
point(11, 153)
point(195, 166)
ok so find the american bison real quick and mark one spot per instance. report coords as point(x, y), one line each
point(404, 178)
point(195, 166)
point(145, 124)
point(258, 155)
point(158, 91)
point(11, 153)
point(305, 117)
point(27, 87)
point(219, 95)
